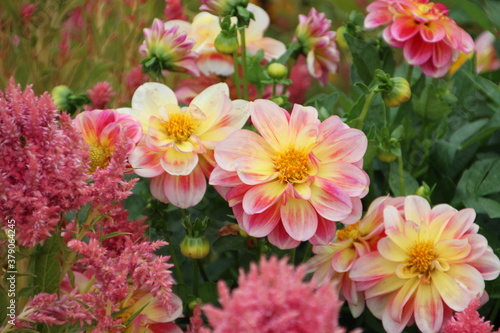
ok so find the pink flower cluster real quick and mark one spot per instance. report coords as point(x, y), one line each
point(469, 320)
point(272, 297)
point(101, 94)
point(428, 36)
point(42, 164)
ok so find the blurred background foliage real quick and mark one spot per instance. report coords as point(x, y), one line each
point(446, 138)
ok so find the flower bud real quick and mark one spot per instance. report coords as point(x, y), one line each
point(397, 93)
point(386, 156)
point(195, 247)
point(226, 43)
point(340, 37)
point(277, 70)
point(60, 95)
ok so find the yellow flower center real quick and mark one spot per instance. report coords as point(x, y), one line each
point(99, 157)
point(349, 232)
point(180, 126)
point(420, 257)
point(291, 164)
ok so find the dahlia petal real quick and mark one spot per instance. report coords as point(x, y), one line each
point(261, 224)
point(212, 62)
point(110, 135)
point(324, 233)
point(272, 122)
point(404, 28)
point(86, 123)
point(385, 286)
point(390, 250)
point(432, 32)
point(260, 23)
point(459, 224)
point(393, 221)
point(347, 145)
point(417, 210)
point(455, 295)
point(238, 144)
point(331, 125)
point(253, 170)
point(372, 266)
point(488, 265)
point(431, 70)
point(393, 326)
point(377, 305)
point(429, 309)
point(178, 163)
point(185, 191)
point(148, 99)
point(299, 219)
point(442, 55)
point(260, 197)
point(342, 260)
point(280, 238)
point(356, 212)
point(156, 186)
point(416, 51)
point(211, 102)
point(224, 178)
point(329, 200)
point(466, 44)
point(146, 163)
point(401, 298)
point(377, 18)
point(235, 195)
point(304, 125)
point(273, 49)
point(453, 249)
point(389, 38)
point(353, 180)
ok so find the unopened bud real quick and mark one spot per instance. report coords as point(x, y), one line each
point(398, 92)
point(226, 43)
point(277, 70)
point(60, 95)
point(195, 247)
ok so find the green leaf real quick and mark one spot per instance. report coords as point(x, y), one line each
point(208, 292)
point(411, 185)
point(485, 86)
point(229, 243)
point(429, 105)
point(114, 234)
point(48, 265)
point(365, 57)
point(476, 13)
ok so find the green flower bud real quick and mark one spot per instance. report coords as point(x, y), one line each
point(60, 95)
point(277, 70)
point(194, 303)
point(397, 92)
point(386, 156)
point(195, 247)
point(226, 43)
point(340, 37)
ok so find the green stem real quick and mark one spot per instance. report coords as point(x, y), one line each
point(308, 252)
point(274, 89)
point(401, 175)
point(409, 74)
point(244, 63)
point(177, 266)
point(236, 74)
point(202, 271)
point(196, 273)
point(365, 109)
point(495, 310)
point(292, 256)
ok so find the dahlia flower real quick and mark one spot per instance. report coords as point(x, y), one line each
point(168, 49)
point(318, 43)
point(205, 28)
point(101, 130)
point(429, 37)
point(487, 59)
point(272, 297)
point(177, 149)
point(431, 262)
point(334, 260)
point(43, 164)
point(296, 178)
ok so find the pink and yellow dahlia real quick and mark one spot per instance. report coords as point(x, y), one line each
point(168, 48)
point(296, 178)
point(102, 130)
point(318, 43)
point(177, 148)
point(487, 59)
point(334, 260)
point(432, 262)
point(429, 37)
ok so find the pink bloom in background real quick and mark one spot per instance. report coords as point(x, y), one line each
point(428, 36)
point(431, 262)
point(171, 47)
point(134, 79)
point(296, 178)
point(221, 7)
point(334, 260)
point(174, 10)
point(272, 297)
point(487, 59)
point(318, 43)
point(101, 94)
point(102, 131)
point(177, 149)
point(43, 164)
point(468, 320)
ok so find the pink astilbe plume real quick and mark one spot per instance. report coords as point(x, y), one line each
point(273, 297)
point(101, 94)
point(173, 10)
point(43, 164)
point(134, 79)
point(469, 320)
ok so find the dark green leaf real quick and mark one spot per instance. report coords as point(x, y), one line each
point(48, 265)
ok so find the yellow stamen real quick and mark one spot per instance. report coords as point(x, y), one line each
point(420, 257)
point(291, 164)
point(180, 126)
point(349, 232)
point(99, 157)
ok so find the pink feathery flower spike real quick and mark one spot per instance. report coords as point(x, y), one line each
point(273, 297)
point(43, 164)
point(428, 36)
point(469, 320)
point(318, 43)
point(174, 10)
point(101, 94)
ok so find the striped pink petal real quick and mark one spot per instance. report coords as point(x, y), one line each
point(178, 163)
point(324, 233)
point(404, 28)
point(185, 191)
point(299, 219)
point(416, 51)
point(272, 122)
point(261, 224)
point(146, 163)
point(279, 237)
point(260, 197)
point(432, 31)
point(329, 200)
